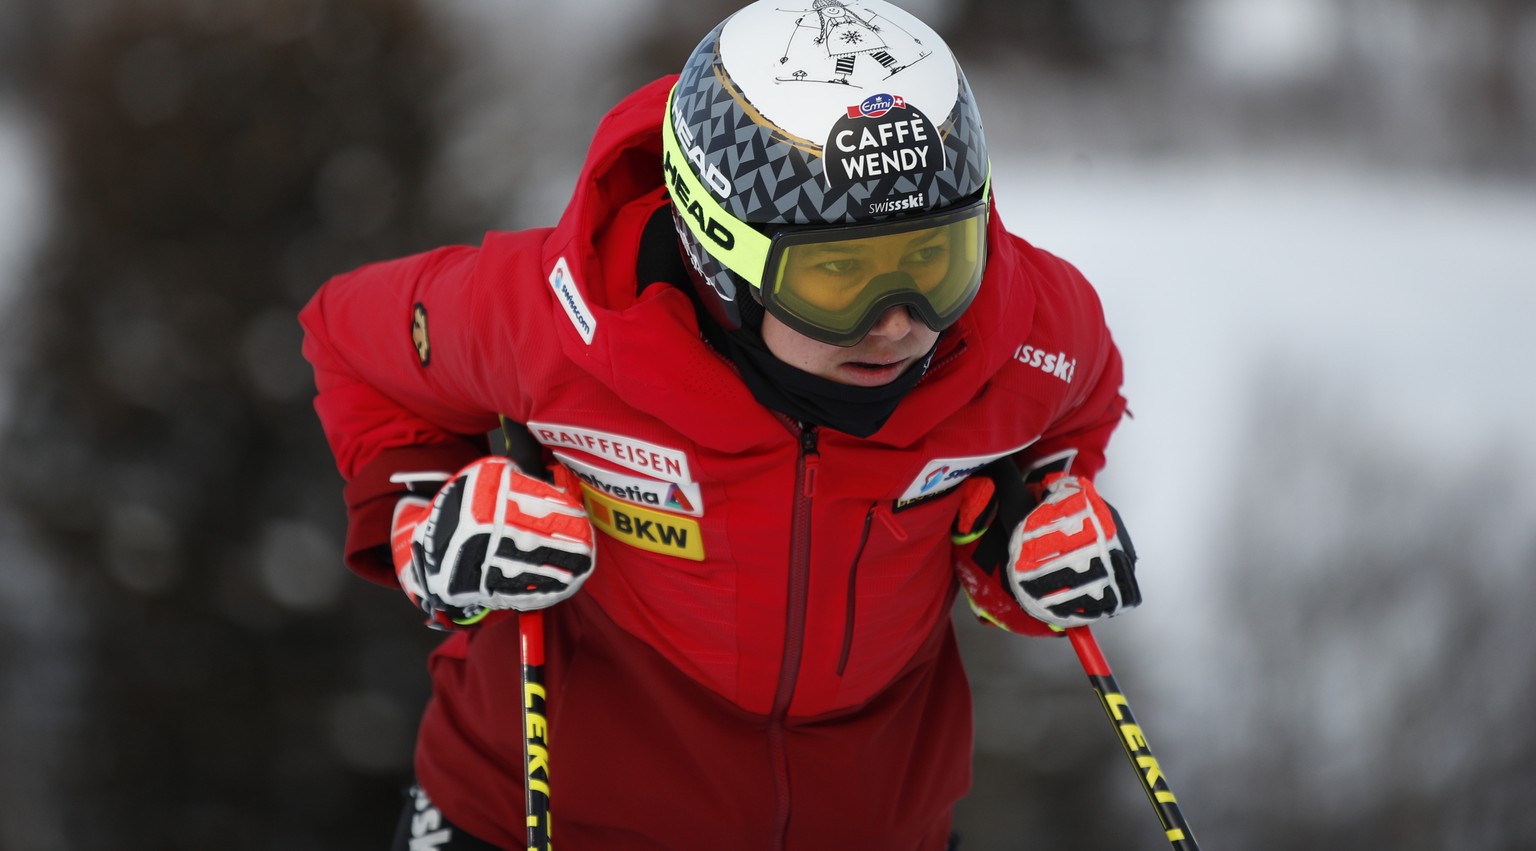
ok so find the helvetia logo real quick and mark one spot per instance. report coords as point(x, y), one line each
point(640, 490)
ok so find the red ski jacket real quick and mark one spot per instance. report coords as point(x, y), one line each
point(790, 578)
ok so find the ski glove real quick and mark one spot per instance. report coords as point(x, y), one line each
point(491, 538)
point(1068, 562)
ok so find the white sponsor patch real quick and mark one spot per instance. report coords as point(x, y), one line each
point(569, 296)
point(668, 496)
point(942, 475)
point(649, 459)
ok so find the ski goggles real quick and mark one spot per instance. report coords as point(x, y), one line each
point(832, 283)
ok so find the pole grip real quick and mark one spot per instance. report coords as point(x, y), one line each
point(1129, 733)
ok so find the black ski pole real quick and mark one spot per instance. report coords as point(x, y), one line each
point(1146, 766)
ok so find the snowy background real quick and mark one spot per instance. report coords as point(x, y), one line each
point(1313, 226)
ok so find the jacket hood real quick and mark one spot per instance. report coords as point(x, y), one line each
point(647, 345)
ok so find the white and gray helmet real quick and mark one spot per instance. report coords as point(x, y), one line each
point(813, 114)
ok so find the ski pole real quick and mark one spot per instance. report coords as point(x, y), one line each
point(519, 444)
point(1153, 782)
point(530, 627)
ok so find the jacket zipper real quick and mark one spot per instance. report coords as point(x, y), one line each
point(794, 627)
point(900, 534)
point(853, 585)
point(942, 362)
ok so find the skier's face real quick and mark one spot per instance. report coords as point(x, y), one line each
point(893, 345)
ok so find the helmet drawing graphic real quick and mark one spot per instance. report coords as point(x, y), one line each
point(793, 126)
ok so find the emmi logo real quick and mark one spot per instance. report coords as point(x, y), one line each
point(1058, 364)
point(653, 531)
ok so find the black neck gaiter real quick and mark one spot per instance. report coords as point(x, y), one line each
point(811, 399)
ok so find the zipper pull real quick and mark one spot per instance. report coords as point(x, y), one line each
point(888, 517)
point(811, 458)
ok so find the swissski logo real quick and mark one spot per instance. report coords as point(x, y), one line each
point(942, 475)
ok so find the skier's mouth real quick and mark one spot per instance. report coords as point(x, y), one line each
point(872, 373)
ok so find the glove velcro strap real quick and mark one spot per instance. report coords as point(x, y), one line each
point(410, 512)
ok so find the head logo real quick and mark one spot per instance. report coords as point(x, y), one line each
point(875, 106)
point(419, 339)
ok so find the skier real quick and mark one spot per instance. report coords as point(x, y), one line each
point(774, 354)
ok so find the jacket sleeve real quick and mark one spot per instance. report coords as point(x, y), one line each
point(402, 354)
point(1077, 438)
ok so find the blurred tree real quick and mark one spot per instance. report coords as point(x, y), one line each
point(20, 47)
point(1492, 96)
point(214, 162)
point(1445, 84)
point(661, 47)
point(1384, 598)
point(1077, 35)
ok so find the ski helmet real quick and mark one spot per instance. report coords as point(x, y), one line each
point(811, 139)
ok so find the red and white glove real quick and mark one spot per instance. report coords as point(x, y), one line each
point(491, 538)
point(1071, 562)
point(1068, 562)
